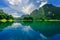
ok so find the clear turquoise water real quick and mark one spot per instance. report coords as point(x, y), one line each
point(30, 31)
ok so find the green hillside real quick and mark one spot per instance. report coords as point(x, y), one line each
point(4, 17)
point(48, 11)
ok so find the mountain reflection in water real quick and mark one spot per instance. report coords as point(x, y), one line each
point(30, 31)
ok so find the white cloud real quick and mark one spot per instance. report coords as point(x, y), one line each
point(14, 26)
point(15, 15)
point(11, 12)
point(25, 1)
point(26, 6)
point(43, 3)
point(11, 2)
point(28, 9)
point(14, 2)
point(27, 28)
point(43, 36)
point(38, 1)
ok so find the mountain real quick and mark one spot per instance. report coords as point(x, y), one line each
point(48, 11)
point(4, 16)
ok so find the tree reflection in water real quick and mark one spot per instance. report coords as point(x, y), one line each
point(48, 29)
point(4, 25)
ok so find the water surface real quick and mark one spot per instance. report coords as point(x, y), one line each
point(30, 31)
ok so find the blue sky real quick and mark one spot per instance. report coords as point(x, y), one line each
point(20, 7)
point(54, 2)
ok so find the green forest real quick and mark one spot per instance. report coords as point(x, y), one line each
point(47, 12)
point(5, 17)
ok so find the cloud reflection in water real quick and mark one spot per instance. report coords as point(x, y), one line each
point(20, 32)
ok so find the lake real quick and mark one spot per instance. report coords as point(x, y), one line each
point(40, 30)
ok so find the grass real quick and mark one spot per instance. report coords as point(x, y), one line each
point(42, 20)
point(52, 20)
point(4, 20)
point(11, 20)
